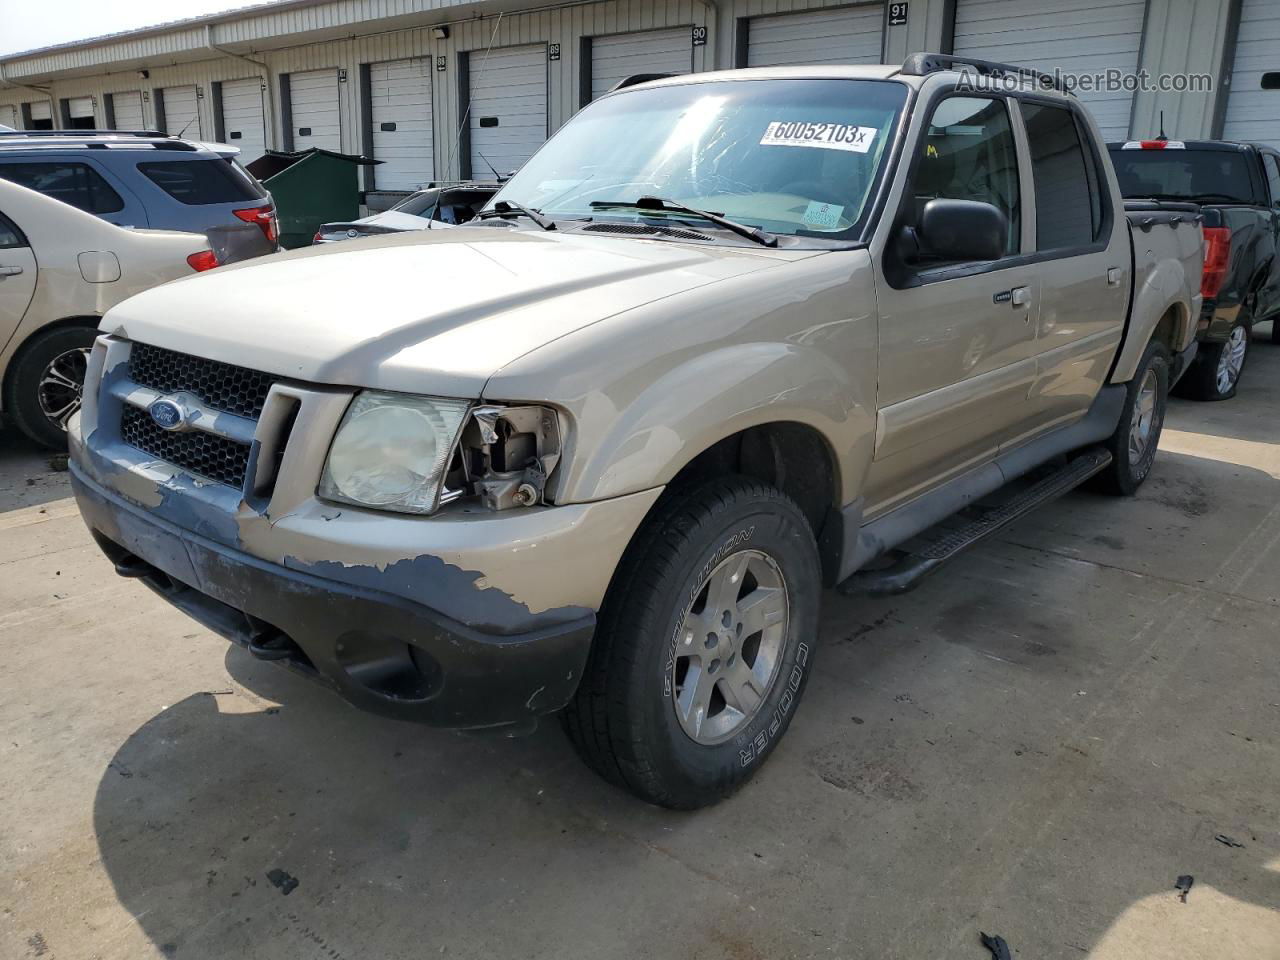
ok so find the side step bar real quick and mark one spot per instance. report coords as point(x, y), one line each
point(907, 573)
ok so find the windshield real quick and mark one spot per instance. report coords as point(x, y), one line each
point(793, 157)
point(1217, 175)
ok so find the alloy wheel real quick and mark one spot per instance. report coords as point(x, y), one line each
point(61, 386)
point(729, 646)
point(1143, 420)
point(1231, 359)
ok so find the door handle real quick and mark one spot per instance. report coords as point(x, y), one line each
point(1020, 296)
point(9, 271)
point(1113, 276)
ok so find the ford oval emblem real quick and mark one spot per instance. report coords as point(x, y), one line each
point(167, 414)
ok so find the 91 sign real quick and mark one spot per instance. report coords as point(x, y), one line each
point(898, 14)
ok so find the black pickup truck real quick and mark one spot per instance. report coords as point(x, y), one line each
point(1238, 188)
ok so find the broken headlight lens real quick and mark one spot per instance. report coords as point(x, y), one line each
point(391, 451)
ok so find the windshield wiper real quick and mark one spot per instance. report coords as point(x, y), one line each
point(762, 237)
point(505, 208)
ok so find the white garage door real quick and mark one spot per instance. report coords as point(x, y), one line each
point(626, 54)
point(9, 116)
point(508, 120)
point(314, 99)
point(1076, 36)
point(181, 112)
point(242, 117)
point(41, 115)
point(1254, 113)
point(400, 95)
point(80, 108)
point(127, 108)
point(848, 35)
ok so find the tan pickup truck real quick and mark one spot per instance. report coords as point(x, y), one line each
point(726, 339)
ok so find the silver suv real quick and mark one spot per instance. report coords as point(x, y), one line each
point(726, 339)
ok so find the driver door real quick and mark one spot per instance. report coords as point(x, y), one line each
point(17, 278)
point(957, 340)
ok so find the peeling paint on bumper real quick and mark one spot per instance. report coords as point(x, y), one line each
point(379, 651)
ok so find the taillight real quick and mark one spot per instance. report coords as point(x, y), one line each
point(264, 217)
point(1217, 252)
point(318, 238)
point(204, 260)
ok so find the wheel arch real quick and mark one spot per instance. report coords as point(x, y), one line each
point(21, 341)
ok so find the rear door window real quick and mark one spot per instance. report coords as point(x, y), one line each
point(198, 182)
point(75, 183)
point(1068, 198)
point(1272, 167)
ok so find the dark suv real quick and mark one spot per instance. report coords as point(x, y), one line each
point(147, 179)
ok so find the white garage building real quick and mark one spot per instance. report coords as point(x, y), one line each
point(394, 79)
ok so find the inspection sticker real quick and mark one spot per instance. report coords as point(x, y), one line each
point(824, 136)
point(823, 214)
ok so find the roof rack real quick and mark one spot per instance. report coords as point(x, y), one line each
point(923, 64)
point(83, 133)
point(635, 78)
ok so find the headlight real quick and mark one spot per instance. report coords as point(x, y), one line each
point(392, 451)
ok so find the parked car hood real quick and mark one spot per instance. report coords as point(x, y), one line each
point(428, 311)
point(387, 221)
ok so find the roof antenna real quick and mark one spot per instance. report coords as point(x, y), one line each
point(1162, 136)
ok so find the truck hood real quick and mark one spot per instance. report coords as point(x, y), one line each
point(425, 312)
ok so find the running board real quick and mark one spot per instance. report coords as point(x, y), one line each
point(907, 573)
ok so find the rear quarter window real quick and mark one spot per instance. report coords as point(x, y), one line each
point(10, 235)
point(75, 183)
point(198, 182)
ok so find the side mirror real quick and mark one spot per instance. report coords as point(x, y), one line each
point(962, 230)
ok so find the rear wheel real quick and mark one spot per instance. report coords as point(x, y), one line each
point(47, 381)
point(703, 647)
point(1215, 373)
point(1137, 435)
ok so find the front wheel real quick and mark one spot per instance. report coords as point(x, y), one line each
point(1137, 435)
point(704, 645)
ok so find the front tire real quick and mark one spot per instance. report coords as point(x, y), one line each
point(704, 645)
point(1137, 436)
point(46, 384)
point(1215, 373)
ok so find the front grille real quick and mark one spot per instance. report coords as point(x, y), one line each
point(221, 386)
point(204, 454)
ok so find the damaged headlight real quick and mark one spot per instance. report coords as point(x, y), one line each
point(392, 450)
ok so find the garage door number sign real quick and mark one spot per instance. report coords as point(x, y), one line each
point(824, 136)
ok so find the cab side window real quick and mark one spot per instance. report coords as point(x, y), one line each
point(968, 153)
point(1272, 167)
point(1068, 195)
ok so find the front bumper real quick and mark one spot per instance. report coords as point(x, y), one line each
point(379, 651)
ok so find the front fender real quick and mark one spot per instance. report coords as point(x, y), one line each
point(716, 395)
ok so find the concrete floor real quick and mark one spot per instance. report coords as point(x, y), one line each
point(1036, 743)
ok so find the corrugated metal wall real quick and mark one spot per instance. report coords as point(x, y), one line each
point(397, 29)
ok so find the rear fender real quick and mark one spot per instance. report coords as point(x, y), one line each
point(1168, 285)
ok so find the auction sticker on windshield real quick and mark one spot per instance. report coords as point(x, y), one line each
point(824, 136)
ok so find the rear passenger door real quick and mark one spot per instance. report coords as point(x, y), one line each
point(957, 340)
point(1082, 250)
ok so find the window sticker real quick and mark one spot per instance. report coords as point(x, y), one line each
point(824, 136)
point(823, 215)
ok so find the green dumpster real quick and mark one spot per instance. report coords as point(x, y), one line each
point(310, 187)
